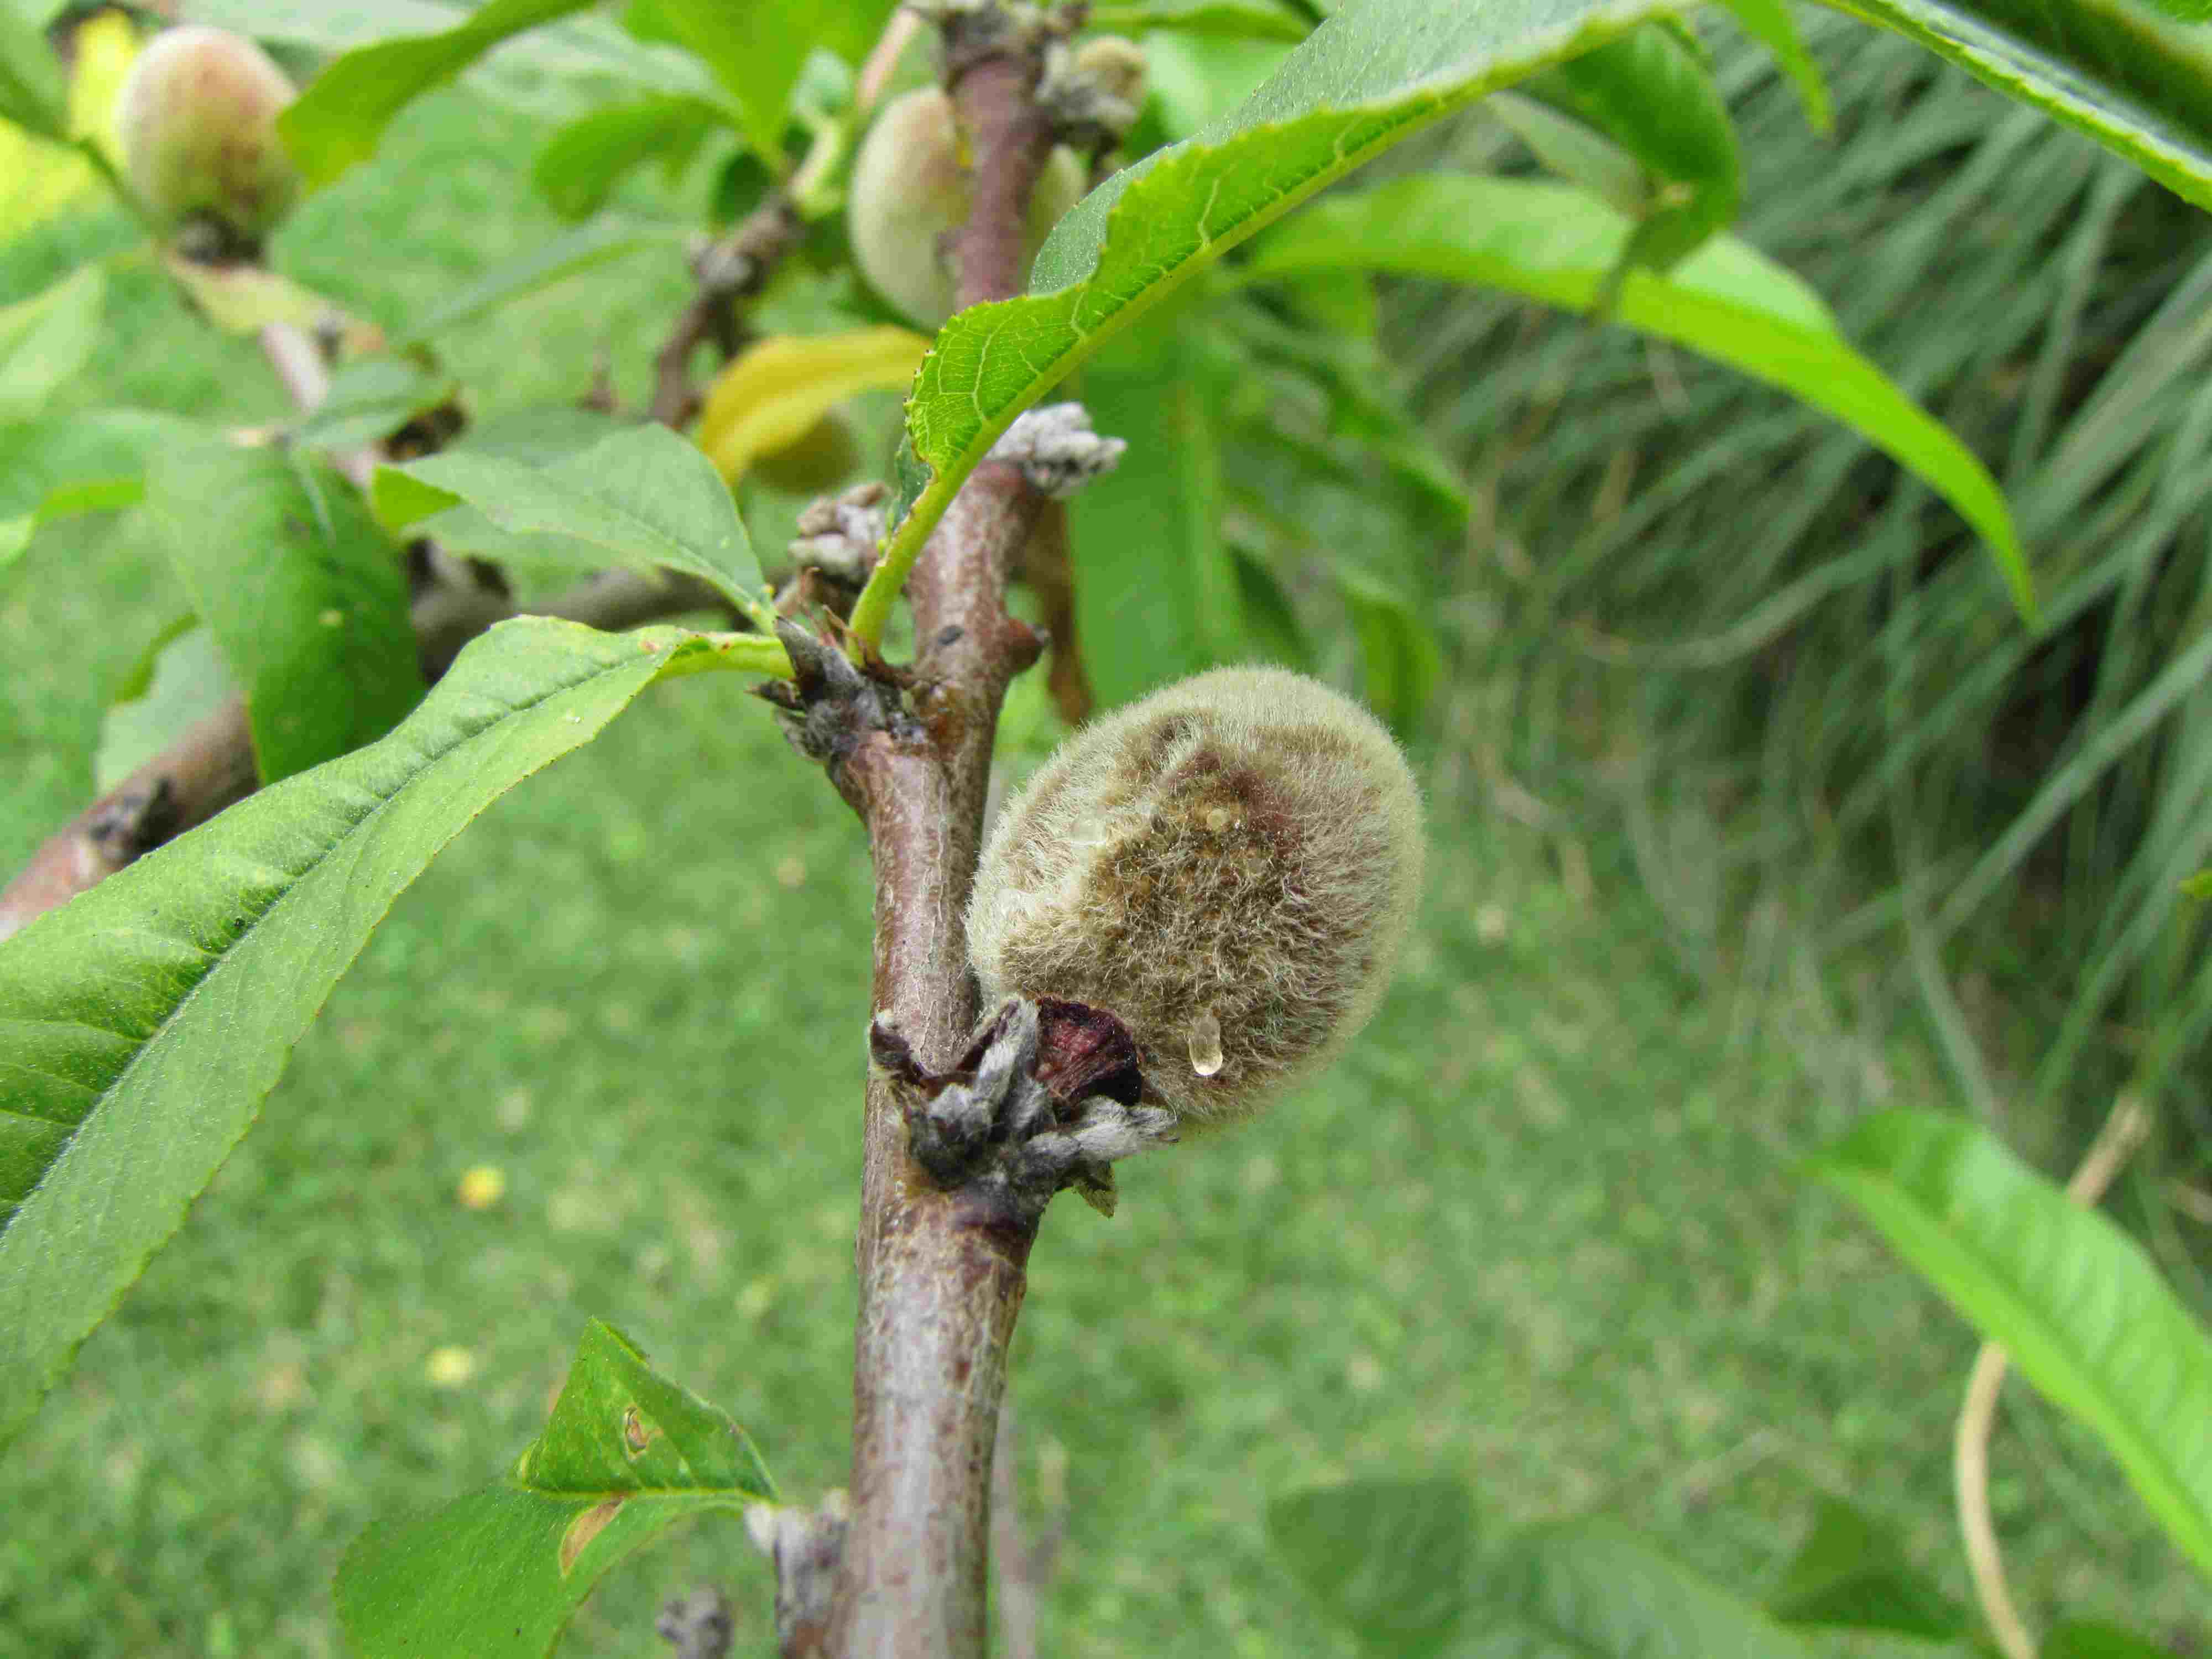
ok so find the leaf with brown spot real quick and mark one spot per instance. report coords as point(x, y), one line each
point(584, 1529)
point(497, 1575)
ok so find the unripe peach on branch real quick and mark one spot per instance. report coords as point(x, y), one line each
point(910, 190)
point(1228, 867)
point(197, 119)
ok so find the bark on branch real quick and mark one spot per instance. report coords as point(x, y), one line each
point(942, 1275)
point(941, 1280)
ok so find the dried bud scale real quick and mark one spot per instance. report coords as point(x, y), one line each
point(1094, 91)
point(838, 535)
point(1228, 865)
point(1056, 450)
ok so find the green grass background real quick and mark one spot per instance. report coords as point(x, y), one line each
point(1542, 1228)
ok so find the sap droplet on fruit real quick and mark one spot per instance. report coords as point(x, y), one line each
point(1206, 1044)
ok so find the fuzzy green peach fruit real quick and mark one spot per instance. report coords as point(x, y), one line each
point(910, 192)
point(197, 118)
point(1228, 865)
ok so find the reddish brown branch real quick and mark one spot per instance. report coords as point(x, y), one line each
point(735, 268)
point(993, 81)
point(941, 1276)
point(883, 58)
point(942, 1272)
point(196, 777)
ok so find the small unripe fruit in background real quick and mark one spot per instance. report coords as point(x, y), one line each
point(909, 191)
point(197, 119)
point(1228, 865)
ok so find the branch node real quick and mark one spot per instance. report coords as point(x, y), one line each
point(834, 704)
point(1056, 450)
point(1046, 1096)
point(734, 267)
point(738, 266)
point(806, 1546)
point(137, 821)
point(974, 29)
point(1091, 97)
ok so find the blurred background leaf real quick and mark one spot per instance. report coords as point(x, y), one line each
point(1597, 1588)
point(182, 678)
point(44, 340)
point(1649, 93)
point(304, 592)
point(1157, 597)
point(1850, 1572)
point(756, 51)
point(1387, 1559)
point(342, 114)
point(2073, 1300)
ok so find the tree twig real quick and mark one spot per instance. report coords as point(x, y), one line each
point(1048, 569)
point(2123, 1132)
point(736, 267)
point(992, 70)
point(942, 1277)
point(940, 1285)
point(297, 361)
point(883, 58)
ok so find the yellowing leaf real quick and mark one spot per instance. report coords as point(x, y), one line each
point(775, 393)
point(106, 45)
point(39, 179)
